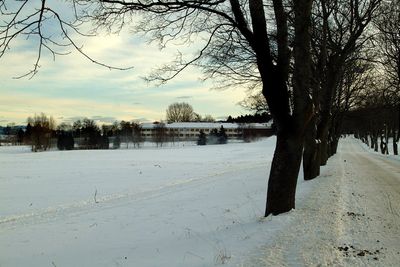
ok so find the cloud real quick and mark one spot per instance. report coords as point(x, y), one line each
point(21, 106)
point(221, 118)
point(98, 119)
point(102, 119)
point(71, 86)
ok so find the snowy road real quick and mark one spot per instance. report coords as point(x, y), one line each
point(350, 216)
point(194, 206)
point(371, 196)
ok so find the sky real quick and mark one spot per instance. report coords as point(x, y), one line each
point(71, 87)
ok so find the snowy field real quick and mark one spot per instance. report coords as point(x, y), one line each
point(194, 206)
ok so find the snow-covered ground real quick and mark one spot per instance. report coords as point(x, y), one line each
point(194, 206)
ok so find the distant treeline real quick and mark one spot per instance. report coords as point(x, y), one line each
point(41, 133)
point(248, 118)
point(376, 126)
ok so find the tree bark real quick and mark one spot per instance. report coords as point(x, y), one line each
point(394, 138)
point(311, 160)
point(291, 127)
point(374, 140)
point(334, 145)
point(323, 137)
point(283, 176)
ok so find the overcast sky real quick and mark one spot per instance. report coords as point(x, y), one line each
point(71, 87)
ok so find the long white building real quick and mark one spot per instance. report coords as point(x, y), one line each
point(191, 130)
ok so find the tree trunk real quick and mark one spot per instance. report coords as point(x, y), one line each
point(291, 125)
point(394, 136)
point(382, 144)
point(396, 132)
point(283, 176)
point(311, 161)
point(365, 139)
point(386, 140)
point(334, 145)
point(324, 154)
point(336, 134)
point(375, 141)
point(372, 140)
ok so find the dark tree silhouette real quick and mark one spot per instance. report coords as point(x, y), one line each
point(160, 134)
point(202, 140)
point(255, 103)
point(42, 129)
point(31, 19)
point(222, 136)
point(137, 138)
point(117, 142)
point(65, 140)
point(338, 28)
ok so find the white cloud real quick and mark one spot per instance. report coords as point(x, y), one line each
point(73, 86)
point(25, 105)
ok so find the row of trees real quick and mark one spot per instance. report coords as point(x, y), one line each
point(263, 117)
point(41, 130)
point(376, 116)
point(306, 57)
point(376, 127)
point(86, 134)
point(12, 134)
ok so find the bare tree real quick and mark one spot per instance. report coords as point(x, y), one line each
point(338, 33)
point(207, 118)
point(32, 19)
point(255, 103)
point(160, 134)
point(388, 40)
point(359, 76)
point(137, 138)
point(41, 133)
point(180, 112)
point(126, 132)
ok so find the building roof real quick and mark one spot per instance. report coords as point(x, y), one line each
point(208, 125)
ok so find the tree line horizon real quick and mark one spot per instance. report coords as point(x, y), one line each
point(42, 129)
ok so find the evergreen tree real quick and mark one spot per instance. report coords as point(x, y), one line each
point(65, 141)
point(69, 141)
point(202, 138)
point(28, 134)
point(60, 141)
point(222, 136)
point(20, 136)
point(105, 142)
